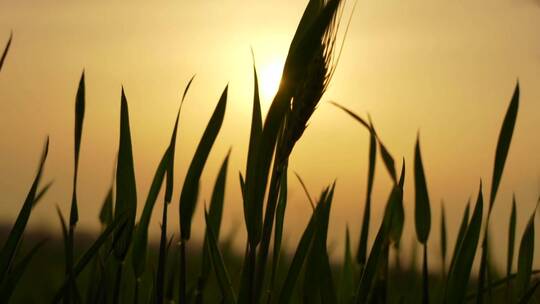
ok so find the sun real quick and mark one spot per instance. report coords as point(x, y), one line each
point(269, 78)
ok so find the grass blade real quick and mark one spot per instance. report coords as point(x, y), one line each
point(346, 283)
point(106, 212)
point(305, 190)
point(460, 272)
point(140, 238)
point(188, 197)
point(126, 193)
point(7, 254)
point(443, 239)
point(503, 144)
point(461, 234)
point(511, 245)
point(287, 288)
point(422, 213)
point(218, 263)
point(278, 234)
point(364, 232)
point(17, 272)
point(525, 257)
point(215, 213)
point(6, 49)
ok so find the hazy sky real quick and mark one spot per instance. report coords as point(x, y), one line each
point(446, 68)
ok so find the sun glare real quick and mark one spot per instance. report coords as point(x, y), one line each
point(269, 77)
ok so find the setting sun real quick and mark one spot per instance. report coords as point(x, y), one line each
point(269, 77)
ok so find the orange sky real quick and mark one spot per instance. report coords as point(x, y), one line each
point(445, 68)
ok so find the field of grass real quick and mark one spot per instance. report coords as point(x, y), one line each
point(121, 266)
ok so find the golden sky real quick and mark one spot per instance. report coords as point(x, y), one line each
point(446, 68)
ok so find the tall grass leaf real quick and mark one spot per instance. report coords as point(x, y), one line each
point(106, 211)
point(458, 277)
point(219, 265)
point(461, 233)
point(287, 288)
point(377, 253)
point(215, 213)
point(318, 283)
point(422, 213)
point(398, 211)
point(305, 190)
point(64, 228)
point(525, 257)
point(79, 118)
point(41, 193)
point(12, 280)
point(119, 223)
point(364, 232)
point(529, 294)
point(503, 144)
point(346, 283)
point(140, 238)
point(278, 234)
point(511, 241)
point(172, 146)
point(126, 191)
point(443, 238)
point(7, 254)
point(190, 190)
point(6, 49)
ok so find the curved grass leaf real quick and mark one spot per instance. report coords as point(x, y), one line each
point(12, 280)
point(287, 288)
point(140, 238)
point(278, 234)
point(305, 190)
point(422, 213)
point(458, 277)
point(461, 233)
point(6, 49)
point(190, 190)
point(503, 144)
point(79, 119)
point(215, 213)
point(126, 191)
point(7, 254)
point(120, 223)
point(218, 264)
point(525, 257)
point(106, 212)
point(511, 240)
point(346, 283)
point(364, 232)
point(443, 237)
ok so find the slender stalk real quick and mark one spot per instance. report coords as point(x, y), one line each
point(162, 260)
point(425, 274)
point(118, 283)
point(137, 285)
point(183, 272)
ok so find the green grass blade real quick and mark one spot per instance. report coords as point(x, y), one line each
point(525, 257)
point(90, 253)
point(170, 168)
point(346, 282)
point(218, 264)
point(7, 254)
point(318, 283)
point(461, 234)
point(140, 238)
point(443, 238)
point(511, 242)
point(126, 191)
point(527, 297)
point(6, 50)
point(503, 144)
point(422, 213)
point(397, 220)
point(106, 212)
point(215, 213)
point(459, 274)
point(190, 190)
point(79, 119)
point(287, 288)
point(378, 251)
point(41, 193)
point(364, 232)
point(12, 280)
point(278, 234)
point(305, 190)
